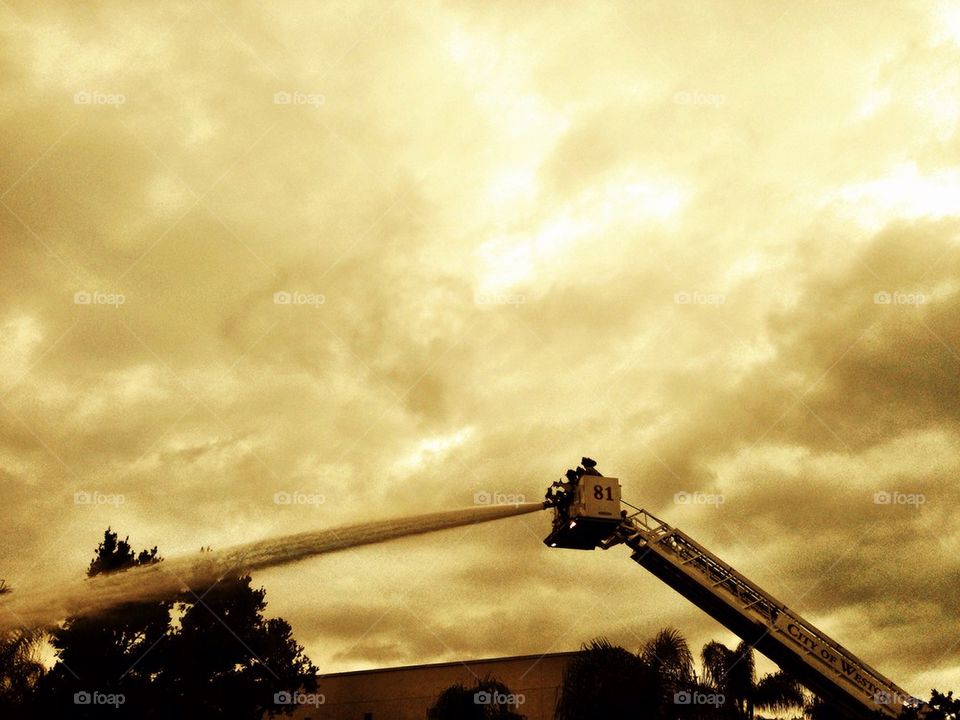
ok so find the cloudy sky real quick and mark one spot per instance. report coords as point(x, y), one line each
point(390, 255)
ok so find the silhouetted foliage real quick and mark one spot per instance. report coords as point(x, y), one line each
point(941, 707)
point(606, 681)
point(487, 700)
point(205, 655)
point(945, 707)
point(668, 657)
point(114, 554)
point(105, 654)
point(733, 674)
point(661, 681)
point(20, 670)
point(227, 661)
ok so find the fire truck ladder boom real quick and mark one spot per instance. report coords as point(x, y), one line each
point(588, 515)
point(819, 662)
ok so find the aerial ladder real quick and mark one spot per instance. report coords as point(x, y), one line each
point(588, 515)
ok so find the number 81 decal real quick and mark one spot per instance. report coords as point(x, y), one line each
point(598, 492)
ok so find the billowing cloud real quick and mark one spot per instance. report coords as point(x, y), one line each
point(393, 256)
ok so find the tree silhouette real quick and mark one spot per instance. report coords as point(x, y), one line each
point(941, 707)
point(733, 673)
point(483, 701)
point(606, 681)
point(668, 657)
point(227, 660)
point(209, 654)
point(20, 670)
point(108, 653)
point(661, 682)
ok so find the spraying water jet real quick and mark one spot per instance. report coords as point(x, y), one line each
point(168, 579)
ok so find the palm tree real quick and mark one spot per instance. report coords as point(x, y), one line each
point(19, 668)
point(607, 681)
point(778, 692)
point(669, 659)
point(669, 656)
point(733, 673)
point(819, 709)
point(459, 702)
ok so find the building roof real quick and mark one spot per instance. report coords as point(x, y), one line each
point(535, 658)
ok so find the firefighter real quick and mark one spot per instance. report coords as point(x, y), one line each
point(590, 467)
point(555, 493)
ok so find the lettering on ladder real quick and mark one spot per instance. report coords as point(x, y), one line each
point(869, 686)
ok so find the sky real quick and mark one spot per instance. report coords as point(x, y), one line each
point(268, 269)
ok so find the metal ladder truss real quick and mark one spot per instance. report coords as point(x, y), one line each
point(797, 646)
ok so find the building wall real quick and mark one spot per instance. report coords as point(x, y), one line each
point(406, 693)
